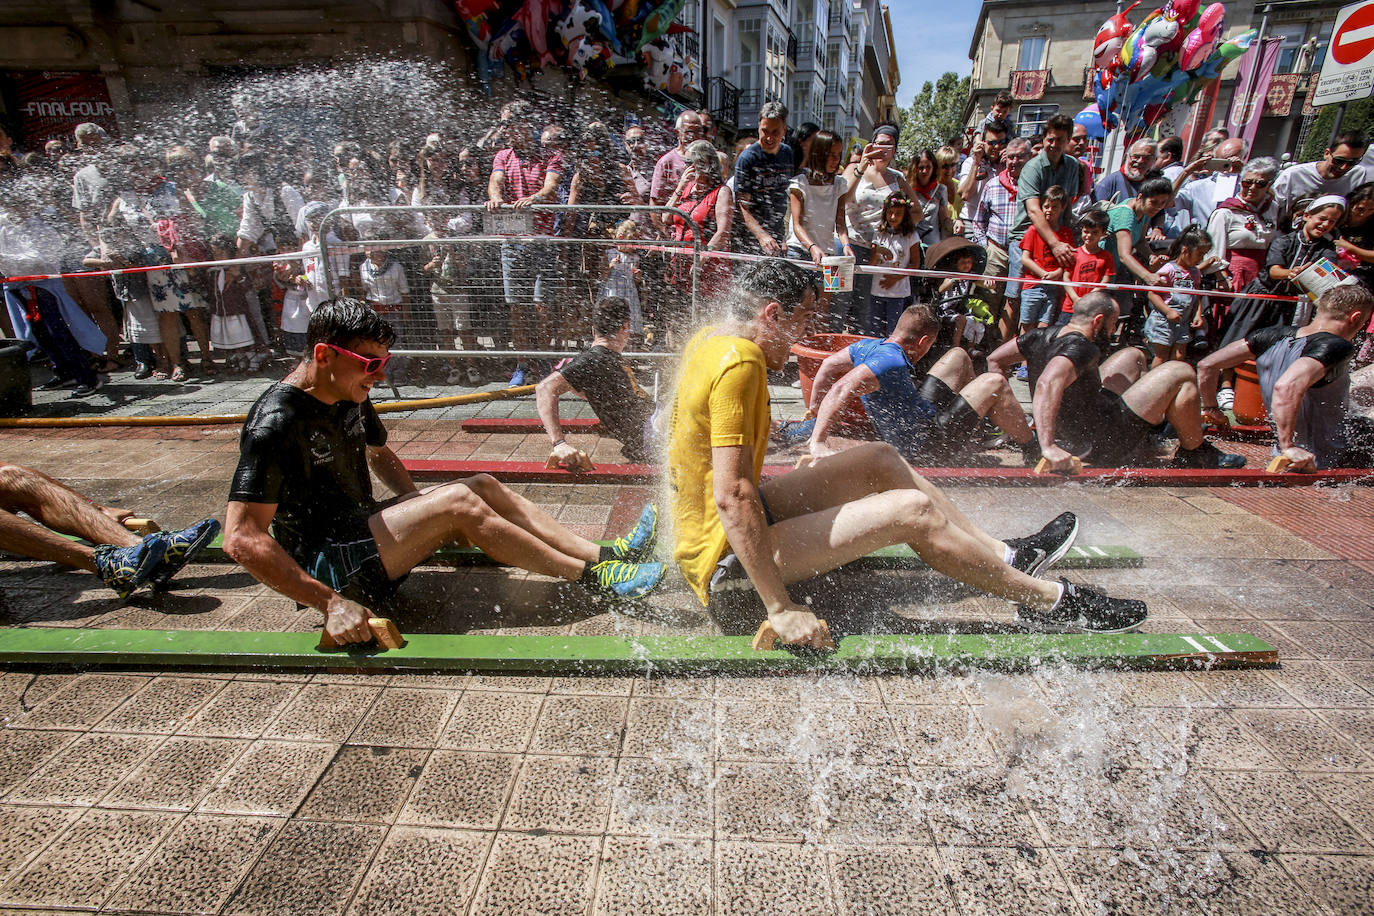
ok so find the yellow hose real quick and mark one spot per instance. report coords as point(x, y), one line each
point(476, 397)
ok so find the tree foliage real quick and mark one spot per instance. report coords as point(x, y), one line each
point(935, 115)
point(1358, 116)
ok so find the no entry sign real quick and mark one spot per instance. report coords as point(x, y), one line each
point(1348, 71)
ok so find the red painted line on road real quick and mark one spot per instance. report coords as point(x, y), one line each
point(526, 425)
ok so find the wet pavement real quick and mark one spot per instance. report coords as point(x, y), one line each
point(1053, 791)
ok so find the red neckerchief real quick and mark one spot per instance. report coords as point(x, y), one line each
point(1006, 181)
point(922, 190)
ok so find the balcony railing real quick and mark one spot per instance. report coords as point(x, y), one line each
point(723, 98)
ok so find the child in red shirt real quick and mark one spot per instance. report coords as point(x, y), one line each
point(1039, 302)
point(1092, 263)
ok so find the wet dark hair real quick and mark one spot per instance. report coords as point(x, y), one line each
point(612, 314)
point(342, 320)
point(1358, 196)
point(1192, 237)
point(1095, 219)
point(1340, 301)
point(772, 280)
point(1090, 305)
point(1156, 187)
point(819, 158)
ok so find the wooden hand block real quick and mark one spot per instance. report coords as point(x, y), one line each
point(805, 461)
point(1043, 466)
point(141, 526)
point(584, 463)
point(384, 632)
point(1278, 464)
point(767, 637)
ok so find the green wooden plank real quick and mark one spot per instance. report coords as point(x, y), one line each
point(898, 556)
point(574, 655)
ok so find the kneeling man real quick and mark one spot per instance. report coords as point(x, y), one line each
point(734, 533)
point(933, 424)
point(304, 457)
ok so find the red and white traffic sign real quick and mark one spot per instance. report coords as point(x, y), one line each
point(1348, 71)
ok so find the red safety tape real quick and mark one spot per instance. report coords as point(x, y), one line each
point(192, 265)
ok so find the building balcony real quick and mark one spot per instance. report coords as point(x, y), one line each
point(723, 100)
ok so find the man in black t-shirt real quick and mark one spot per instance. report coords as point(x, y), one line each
point(1304, 376)
point(762, 174)
point(600, 375)
point(1105, 410)
point(304, 457)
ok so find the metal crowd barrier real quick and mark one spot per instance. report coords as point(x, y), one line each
point(450, 295)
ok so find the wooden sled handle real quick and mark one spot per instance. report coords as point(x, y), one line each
point(1043, 466)
point(141, 526)
point(383, 631)
point(584, 462)
point(767, 637)
point(1278, 464)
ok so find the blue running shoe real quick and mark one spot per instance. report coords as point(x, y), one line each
point(639, 543)
point(620, 580)
point(124, 569)
point(181, 548)
point(795, 432)
point(517, 378)
point(1023, 373)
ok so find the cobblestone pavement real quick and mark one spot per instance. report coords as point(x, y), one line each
point(1053, 791)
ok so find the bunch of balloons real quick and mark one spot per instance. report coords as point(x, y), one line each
point(1172, 56)
point(582, 35)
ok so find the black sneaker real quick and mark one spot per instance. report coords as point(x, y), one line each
point(1207, 455)
point(57, 382)
point(1036, 554)
point(1084, 610)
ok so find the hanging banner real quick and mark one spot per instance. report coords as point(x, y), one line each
point(1028, 85)
point(1251, 88)
point(47, 104)
point(1283, 88)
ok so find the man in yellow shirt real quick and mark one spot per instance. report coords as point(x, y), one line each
point(734, 534)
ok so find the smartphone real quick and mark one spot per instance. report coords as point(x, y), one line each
point(1218, 165)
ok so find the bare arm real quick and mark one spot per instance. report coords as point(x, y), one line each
point(741, 515)
point(1004, 357)
point(496, 189)
point(1045, 404)
point(1289, 391)
point(546, 397)
point(389, 470)
point(725, 219)
point(766, 241)
point(969, 183)
point(1125, 254)
point(544, 194)
point(796, 206)
point(858, 382)
point(248, 543)
point(835, 366)
point(1063, 252)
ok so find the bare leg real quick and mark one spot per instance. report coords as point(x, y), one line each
point(93, 298)
point(1169, 392)
point(855, 473)
point(991, 394)
point(518, 510)
point(200, 330)
point(1122, 369)
point(30, 540)
point(169, 323)
point(955, 369)
point(410, 531)
point(59, 507)
point(809, 545)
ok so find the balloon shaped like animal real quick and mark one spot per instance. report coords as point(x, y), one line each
point(1202, 41)
point(1111, 35)
point(1144, 62)
point(1161, 32)
point(576, 29)
point(1182, 10)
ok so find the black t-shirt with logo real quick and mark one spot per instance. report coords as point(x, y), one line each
point(1079, 407)
point(601, 376)
point(1326, 348)
point(310, 460)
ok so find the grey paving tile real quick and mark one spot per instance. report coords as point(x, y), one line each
point(407, 718)
point(323, 712)
point(1352, 794)
point(1319, 685)
point(889, 881)
point(580, 725)
point(26, 831)
point(461, 789)
point(422, 870)
point(997, 880)
point(640, 876)
point(84, 771)
point(1341, 884)
point(1301, 740)
point(1284, 814)
point(973, 806)
point(197, 866)
point(82, 702)
point(1213, 739)
point(242, 709)
point(860, 804)
point(1137, 882)
point(488, 721)
point(670, 727)
point(270, 778)
point(310, 869)
point(753, 877)
point(180, 773)
point(755, 730)
point(162, 706)
point(365, 784)
point(663, 797)
point(90, 860)
point(551, 875)
point(942, 735)
point(764, 801)
point(561, 794)
point(23, 751)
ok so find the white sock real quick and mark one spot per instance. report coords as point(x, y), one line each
point(1011, 555)
point(1060, 599)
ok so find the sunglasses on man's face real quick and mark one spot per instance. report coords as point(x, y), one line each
point(1341, 160)
point(371, 364)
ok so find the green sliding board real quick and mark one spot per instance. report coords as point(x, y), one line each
point(577, 655)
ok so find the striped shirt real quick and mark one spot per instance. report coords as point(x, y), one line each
point(996, 210)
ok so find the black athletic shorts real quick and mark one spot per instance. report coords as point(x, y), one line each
point(351, 564)
point(951, 433)
point(1116, 434)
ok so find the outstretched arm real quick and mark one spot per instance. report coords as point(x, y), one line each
point(1289, 391)
point(1004, 357)
point(1045, 404)
point(1209, 371)
point(855, 383)
point(387, 465)
point(834, 367)
point(546, 395)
